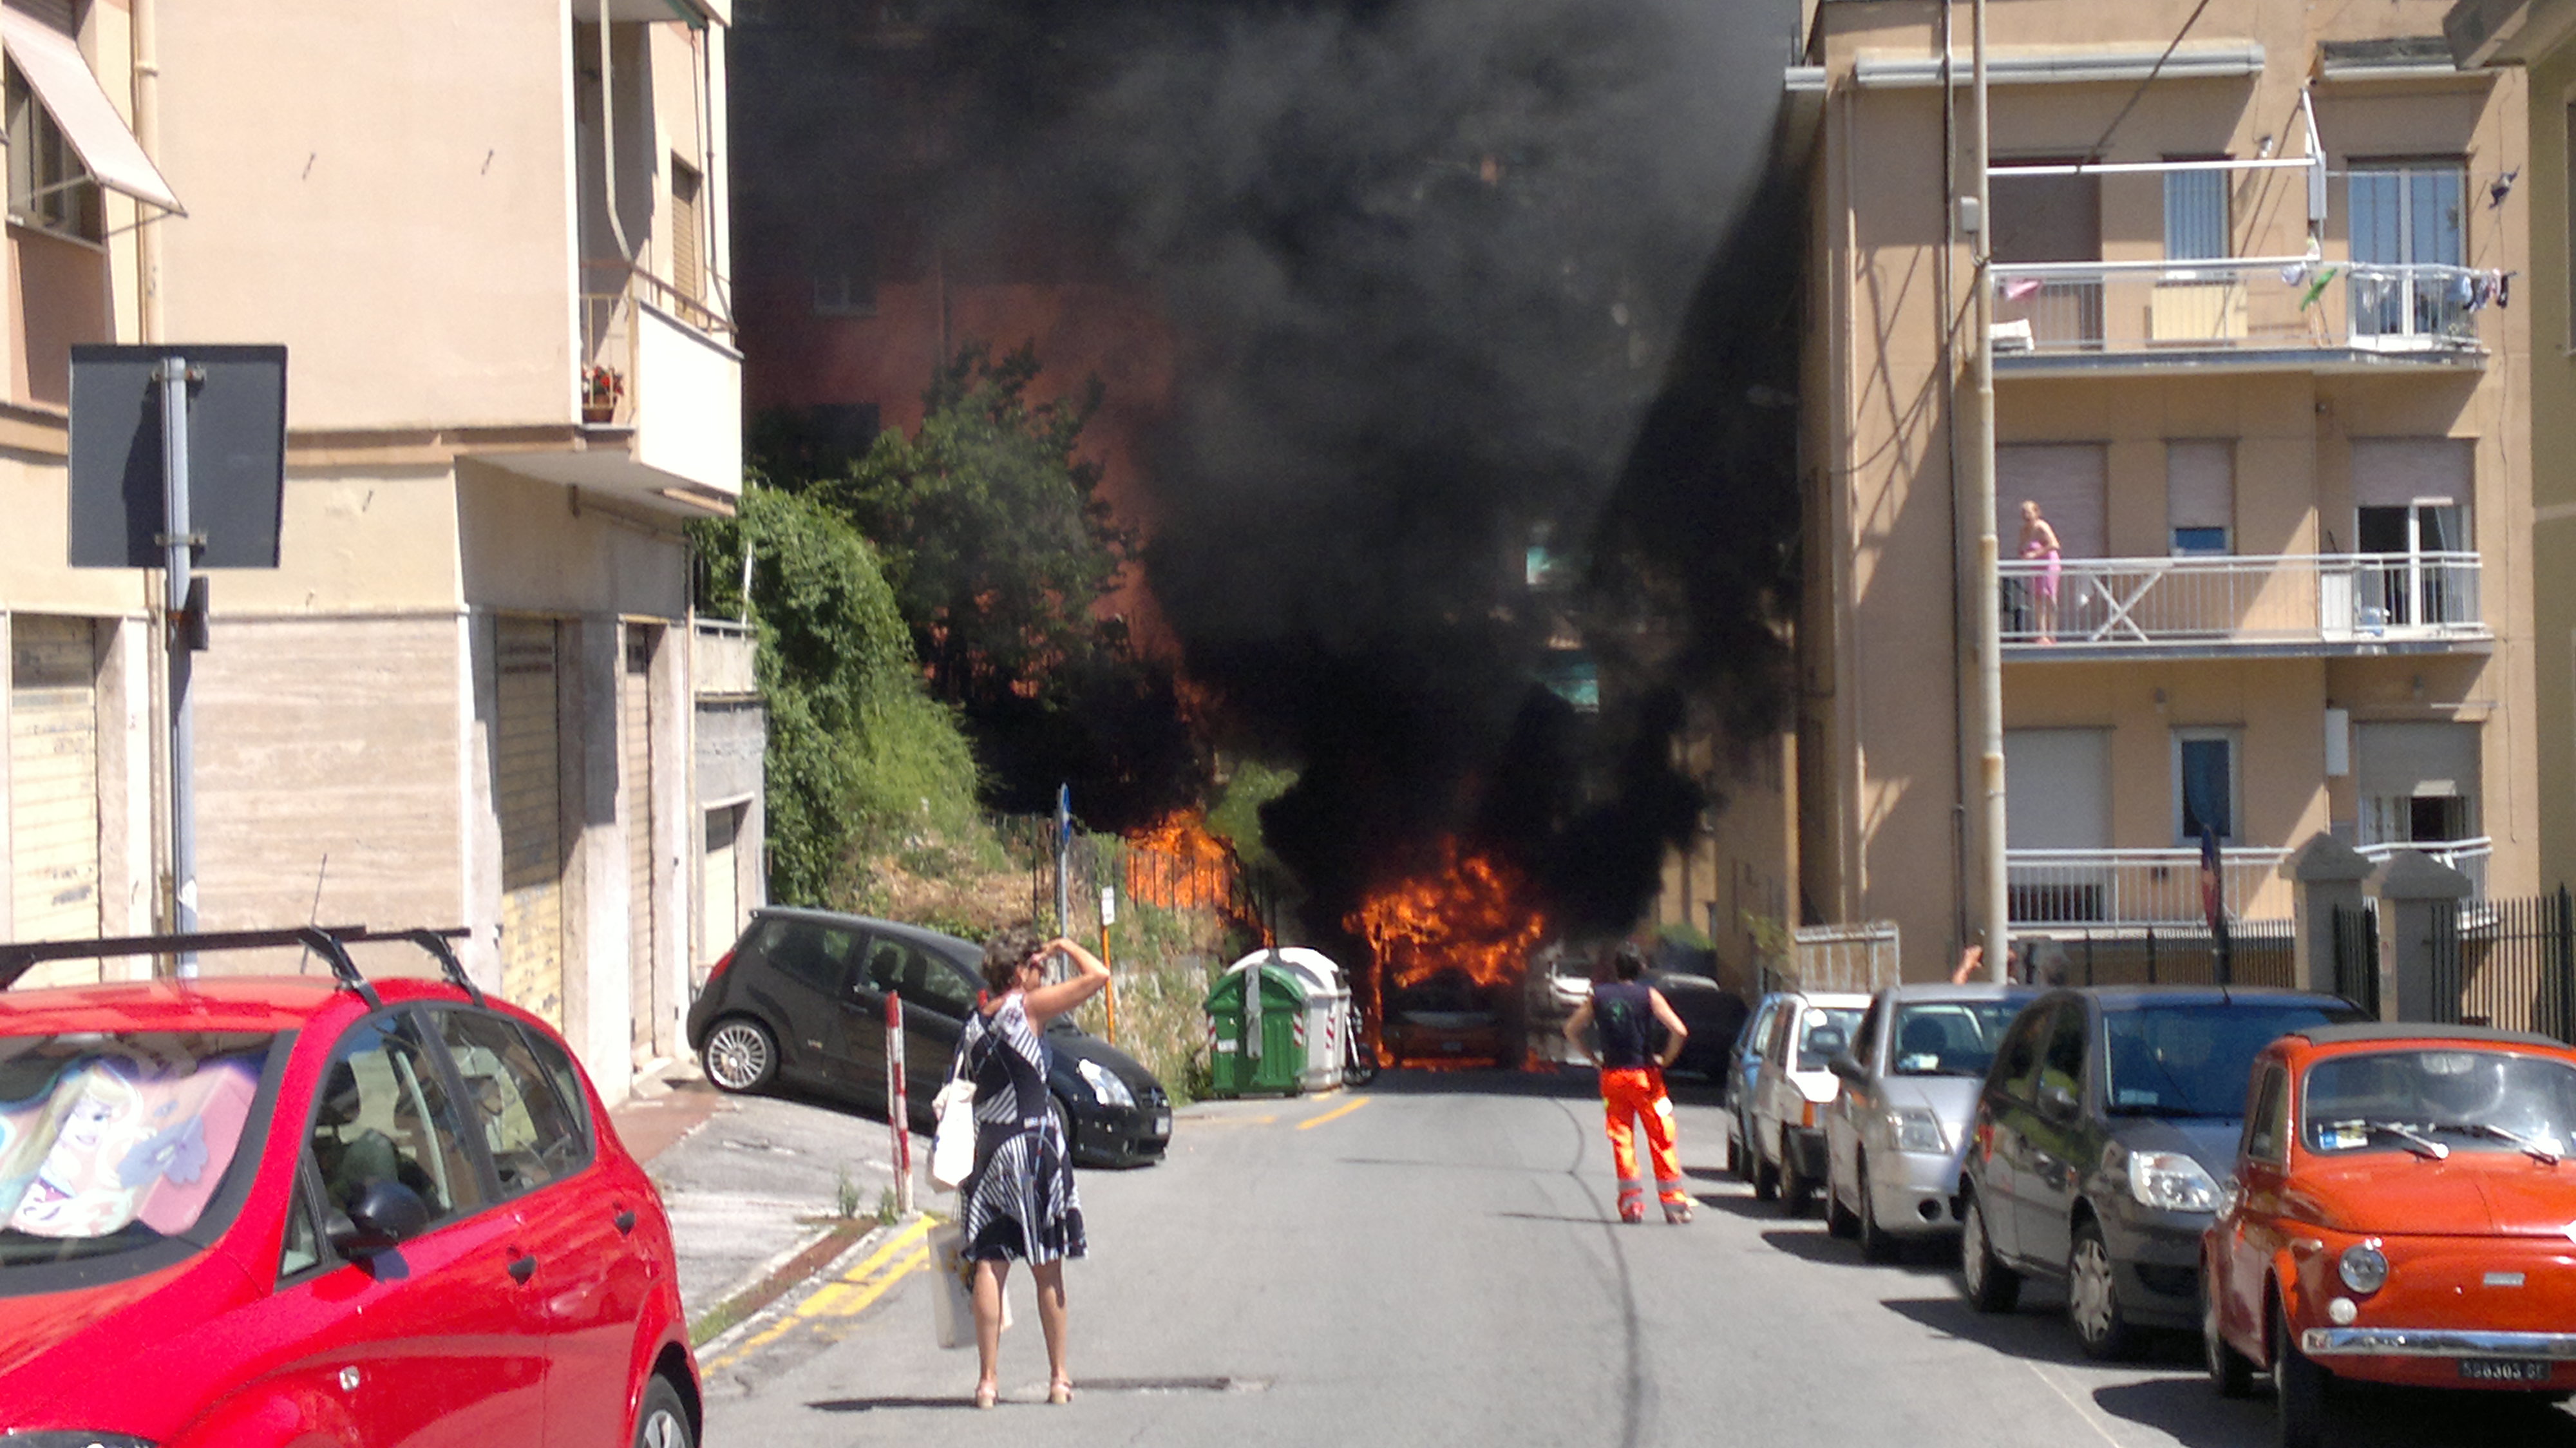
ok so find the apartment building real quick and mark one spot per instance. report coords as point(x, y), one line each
point(2538, 37)
point(2262, 330)
point(494, 248)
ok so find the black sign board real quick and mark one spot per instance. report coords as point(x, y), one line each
point(236, 455)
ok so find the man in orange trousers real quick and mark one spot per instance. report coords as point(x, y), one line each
point(1623, 1011)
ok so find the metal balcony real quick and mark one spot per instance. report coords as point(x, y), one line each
point(2469, 857)
point(2270, 312)
point(2138, 888)
point(2234, 605)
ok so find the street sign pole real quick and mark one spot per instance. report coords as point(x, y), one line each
point(1994, 905)
point(1063, 862)
point(179, 629)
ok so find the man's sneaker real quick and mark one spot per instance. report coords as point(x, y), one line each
point(1677, 1213)
point(1632, 1213)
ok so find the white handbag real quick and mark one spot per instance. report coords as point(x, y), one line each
point(952, 1147)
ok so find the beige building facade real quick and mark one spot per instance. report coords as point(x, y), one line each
point(2262, 332)
point(496, 255)
point(2538, 40)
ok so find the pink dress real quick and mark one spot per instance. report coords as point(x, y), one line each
point(2033, 548)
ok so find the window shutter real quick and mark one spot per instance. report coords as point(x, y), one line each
point(2058, 788)
point(2419, 759)
point(2200, 485)
point(687, 273)
point(2393, 472)
point(2065, 479)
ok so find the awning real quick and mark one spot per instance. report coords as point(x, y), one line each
point(61, 80)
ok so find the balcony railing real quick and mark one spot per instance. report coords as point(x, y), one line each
point(2137, 887)
point(2236, 305)
point(2469, 857)
point(2276, 600)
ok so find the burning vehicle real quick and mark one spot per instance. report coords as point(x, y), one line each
point(1448, 1019)
point(1451, 948)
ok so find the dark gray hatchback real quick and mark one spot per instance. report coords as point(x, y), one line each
point(2098, 1142)
point(800, 1000)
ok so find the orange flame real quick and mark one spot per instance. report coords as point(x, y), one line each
point(1468, 915)
point(1177, 864)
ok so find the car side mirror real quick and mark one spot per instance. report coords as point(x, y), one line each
point(1849, 1068)
point(382, 1216)
point(2056, 1102)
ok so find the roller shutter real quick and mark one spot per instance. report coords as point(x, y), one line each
point(530, 766)
point(2057, 792)
point(2200, 489)
point(722, 898)
point(636, 785)
point(2066, 480)
point(2408, 760)
point(2396, 472)
point(53, 786)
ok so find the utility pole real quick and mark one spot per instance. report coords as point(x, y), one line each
point(1994, 909)
point(183, 606)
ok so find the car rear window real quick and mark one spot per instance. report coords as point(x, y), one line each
point(1949, 1038)
point(111, 1142)
point(2197, 1058)
point(2464, 1099)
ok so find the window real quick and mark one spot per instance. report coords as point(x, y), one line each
point(2200, 496)
point(688, 232)
point(2264, 1139)
point(811, 955)
point(2418, 782)
point(842, 268)
point(301, 1251)
point(2204, 784)
point(2018, 1064)
point(383, 1114)
point(49, 188)
point(1865, 1040)
point(2195, 215)
point(2408, 243)
point(526, 1129)
point(2062, 1069)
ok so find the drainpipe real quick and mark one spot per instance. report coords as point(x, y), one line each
point(146, 43)
point(608, 140)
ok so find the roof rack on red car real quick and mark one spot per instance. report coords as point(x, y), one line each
point(331, 942)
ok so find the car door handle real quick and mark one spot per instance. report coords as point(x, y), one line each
point(625, 1220)
point(523, 1269)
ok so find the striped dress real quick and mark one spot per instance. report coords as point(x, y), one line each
point(1020, 1204)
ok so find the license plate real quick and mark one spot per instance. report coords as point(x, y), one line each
point(2504, 1370)
point(1162, 1123)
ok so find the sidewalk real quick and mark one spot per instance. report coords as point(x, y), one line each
point(753, 1184)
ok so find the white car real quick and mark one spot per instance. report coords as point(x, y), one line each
point(1792, 1090)
point(1896, 1131)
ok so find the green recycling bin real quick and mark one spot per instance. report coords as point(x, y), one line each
point(1261, 1050)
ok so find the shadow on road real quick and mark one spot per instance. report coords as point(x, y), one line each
point(871, 1405)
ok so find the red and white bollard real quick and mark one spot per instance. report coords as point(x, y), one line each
point(898, 1114)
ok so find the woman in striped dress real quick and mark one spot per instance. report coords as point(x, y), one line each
point(1020, 1204)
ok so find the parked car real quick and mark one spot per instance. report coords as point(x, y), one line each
point(1791, 1090)
point(1709, 1011)
point(1896, 1131)
point(1447, 1019)
point(800, 999)
point(2099, 1138)
point(1743, 1064)
point(2399, 1213)
point(298, 1209)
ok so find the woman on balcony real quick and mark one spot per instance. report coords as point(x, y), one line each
point(2038, 540)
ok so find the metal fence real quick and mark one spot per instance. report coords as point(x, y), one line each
point(2259, 952)
point(1863, 957)
point(2356, 955)
point(2510, 964)
point(2234, 304)
point(2222, 599)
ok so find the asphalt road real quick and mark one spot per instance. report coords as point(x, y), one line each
point(1436, 1261)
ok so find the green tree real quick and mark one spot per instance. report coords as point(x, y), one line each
point(861, 760)
point(995, 537)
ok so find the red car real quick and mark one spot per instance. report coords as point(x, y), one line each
point(2403, 1210)
point(239, 1211)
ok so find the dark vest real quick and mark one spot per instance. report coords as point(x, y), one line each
point(1624, 1013)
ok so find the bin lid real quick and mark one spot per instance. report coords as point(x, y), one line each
point(1315, 971)
point(1282, 991)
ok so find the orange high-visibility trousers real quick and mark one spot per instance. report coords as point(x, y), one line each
point(1637, 1094)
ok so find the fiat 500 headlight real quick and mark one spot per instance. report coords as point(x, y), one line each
point(2363, 1267)
point(2170, 1181)
point(1914, 1128)
point(1105, 1086)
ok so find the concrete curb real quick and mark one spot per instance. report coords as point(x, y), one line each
point(822, 1254)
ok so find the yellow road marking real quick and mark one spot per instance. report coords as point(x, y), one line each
point(846, 1295)
point(1345, 1109)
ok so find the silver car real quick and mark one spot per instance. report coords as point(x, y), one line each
point(1896, 1131)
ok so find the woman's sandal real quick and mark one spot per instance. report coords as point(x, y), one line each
point(1060, 1391)
point(985, 1394)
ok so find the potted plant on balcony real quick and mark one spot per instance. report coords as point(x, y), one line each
point(601, 389)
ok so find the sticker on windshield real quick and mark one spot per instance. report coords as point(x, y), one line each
point(2137, 1098)
point(2348, 1138)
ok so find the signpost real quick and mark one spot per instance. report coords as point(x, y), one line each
point(178, 462)
point(1063, 861)
point(898, 1113)
point(1109, 917)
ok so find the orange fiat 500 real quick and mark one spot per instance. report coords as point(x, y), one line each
point(2403, 1211)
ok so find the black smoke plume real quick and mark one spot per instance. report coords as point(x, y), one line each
point(1451, 281)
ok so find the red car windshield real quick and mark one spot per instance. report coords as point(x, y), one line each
point(2460, 1099)
point(109, 1142)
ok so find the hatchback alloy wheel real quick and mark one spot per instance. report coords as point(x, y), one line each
point(2093, 1298)
point(740, 1055)
point(663, 1423)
